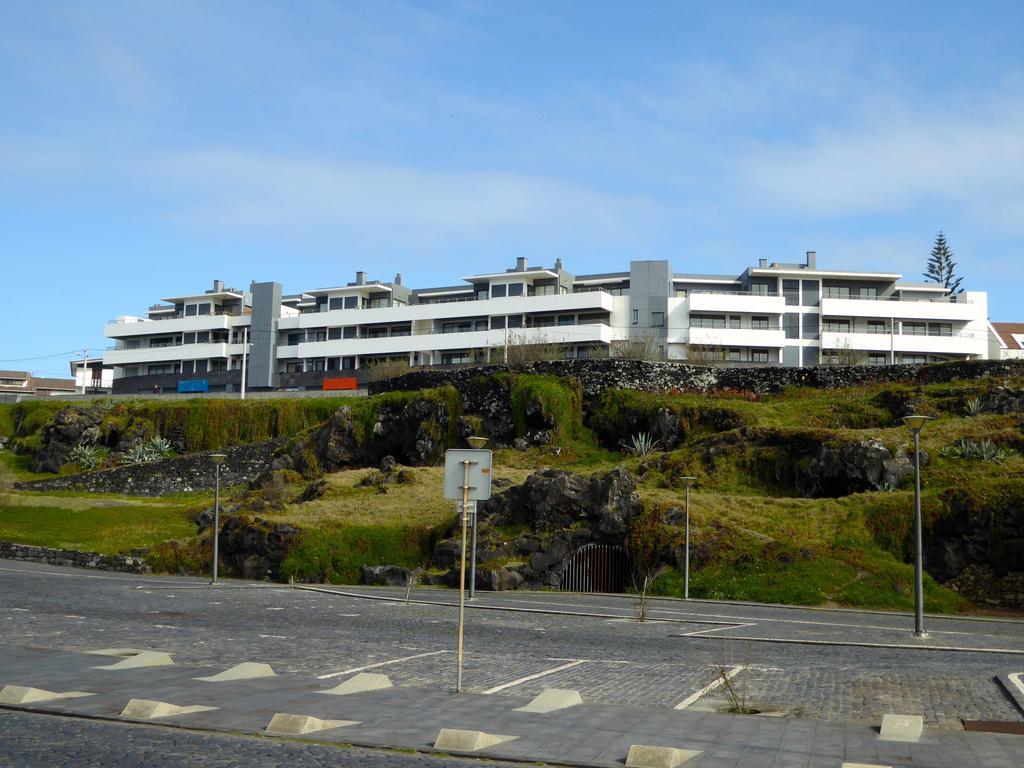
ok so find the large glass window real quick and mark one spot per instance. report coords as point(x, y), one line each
point(791, 325)
point(333, 333)
point(759, 323)
point(837, 326)
point(515, 321)
point(498, 291)
point(877, 359)
point(707, 321)
point(351, 302)
point(657, 319)
point(915, 329)
point(811, 324)
point(791, 290)
point(837, 291)
point(759, 355)
point(515, 289)
point(940, 329)
point(350, 332)
point(337, 302)
point(497, 323)
point(811, 293)
point(877, 326)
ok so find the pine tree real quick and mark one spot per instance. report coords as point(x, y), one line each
point(941, 267)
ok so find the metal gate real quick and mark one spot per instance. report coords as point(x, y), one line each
point(596, 568)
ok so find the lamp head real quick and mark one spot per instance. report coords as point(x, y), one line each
point(916, 421)
point(688, 481)
point(217, 458)
point(476, 442)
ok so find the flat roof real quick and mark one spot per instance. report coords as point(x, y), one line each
point(773, 271)
point(533, 272)
point(349, 289)
point(211, 295)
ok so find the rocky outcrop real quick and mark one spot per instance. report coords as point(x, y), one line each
point(983, 530)
point(982, 586)
point(68, 427)
point(254, 548)
point(182, 474)
point(387, 575)
point(562, 511)
point(1003, 400)
point(854, 467)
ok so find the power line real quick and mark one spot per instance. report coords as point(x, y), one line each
point(40, 357)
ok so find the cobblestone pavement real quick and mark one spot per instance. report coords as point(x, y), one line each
point(517, 653)
point(30, 740)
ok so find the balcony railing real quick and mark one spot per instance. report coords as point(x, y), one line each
point(907, 299)
point(720, 292)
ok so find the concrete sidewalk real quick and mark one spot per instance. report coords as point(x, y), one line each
point(408, 718)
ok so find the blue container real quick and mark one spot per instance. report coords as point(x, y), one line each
point(194, 385)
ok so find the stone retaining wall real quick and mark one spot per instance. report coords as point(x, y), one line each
point(598, 375)
point(182, 474)
point(70, 557)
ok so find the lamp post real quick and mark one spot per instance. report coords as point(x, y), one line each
point(474, 442)
point(689, 481)
point(217, 459)
point(916, 422)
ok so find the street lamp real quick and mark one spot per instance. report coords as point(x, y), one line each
point(217, 459)
point(689, 481)
point(474, 442)
point(916, 423)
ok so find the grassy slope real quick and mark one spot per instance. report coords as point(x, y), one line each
point(752, 540)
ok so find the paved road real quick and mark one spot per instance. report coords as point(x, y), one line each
point(608, 657)
point(44, 741)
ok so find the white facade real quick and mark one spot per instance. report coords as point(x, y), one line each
point(781, 314)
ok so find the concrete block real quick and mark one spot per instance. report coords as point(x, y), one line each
point(901, 728)
point(283, 724)
point(364, 681)
point(145, 709)
point(20, 694)
point(247, 670)
point(140, 659)
point(551, 700)
point(454, 740)
point(641, 756)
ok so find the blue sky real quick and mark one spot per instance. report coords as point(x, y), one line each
point(148, 148)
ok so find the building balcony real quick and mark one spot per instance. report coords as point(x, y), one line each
point(949, 311)
point(732, 337)
point(122, 357)
point(736, 302)
point(126, 327)
point(956, 344)
point(516, 305)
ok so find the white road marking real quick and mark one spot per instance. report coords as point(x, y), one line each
point(72, 616)
point(24, 610)
point(379, 664)
point(710, 687)
point(275, 637)
point(538, 675)
point(715, 629)
point(1015, 679)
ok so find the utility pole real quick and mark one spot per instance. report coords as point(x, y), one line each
point(84, 368)
point(245, 351)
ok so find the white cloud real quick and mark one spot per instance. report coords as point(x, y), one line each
point(228, 190)
point(887, 166)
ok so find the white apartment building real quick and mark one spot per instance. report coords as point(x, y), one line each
point(771, 314)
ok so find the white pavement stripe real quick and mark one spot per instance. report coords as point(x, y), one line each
point(709, 687)
point(865, 644)
point(379, 664)
point(536, 676)
point(1015, 679)
point(716, 629)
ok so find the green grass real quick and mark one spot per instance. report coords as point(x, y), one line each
point(104, 529)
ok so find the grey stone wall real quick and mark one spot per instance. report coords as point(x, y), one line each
point(182, 474)
point(598, 375)
point(70, 557)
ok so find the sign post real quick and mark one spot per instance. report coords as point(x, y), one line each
point(467, 476)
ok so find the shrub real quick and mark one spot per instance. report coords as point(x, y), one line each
point(87, 457)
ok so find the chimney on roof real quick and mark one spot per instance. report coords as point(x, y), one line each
point(360, 278)
point(521, 264)
point(558, 265)
point(762, 263)
point(812, 259)
point(218, 286)
point(398, 278)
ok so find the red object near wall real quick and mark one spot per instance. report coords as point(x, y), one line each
point(340, 383)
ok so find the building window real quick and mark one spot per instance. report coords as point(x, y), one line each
point(759, 323)
point(876, 359)
point(837, 326)
point(915, 329)
point(791, 290)
point(657, 319)
point(940, 329)
point(913, 359)
point(515, 289)
point(759, 355)
point(735, 321)
point(296, 367)
point(351, 302)
point(455, 358)
point(735, 355)
point(337, 302)
point(333, 334)
point(810, 288)
point(791, 325)
point(456, 327)
point(498, 291)
point(190, 310)
point(837, 291)
point(811, 325)
point(515, 321)
point(203, 309)
point(566, 320)
point(348, 363)
point(201, 366)
point(636, 316)
point(218, 365)
point(294, 339)
point(681, 293)
point(160, 370)
point(869, 293)
point(187, 366)
point(479, 325)
point(759, 289)
point(877, 326)
point(809, 356)
point(497, 323)
point(707, 321)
